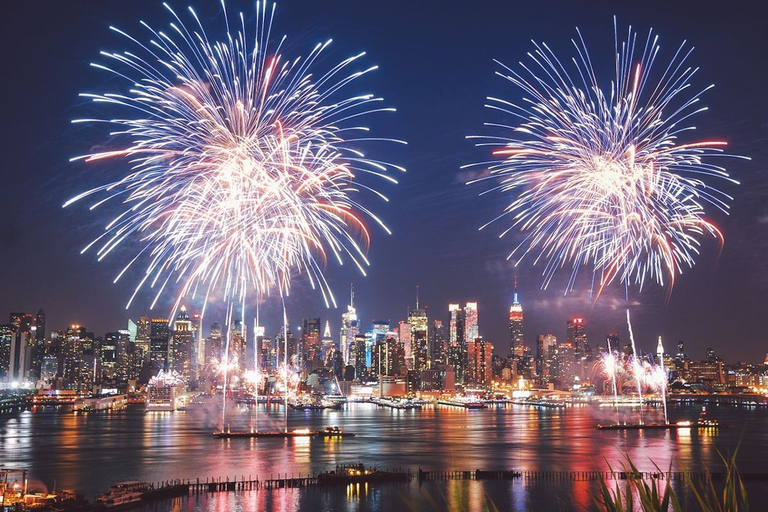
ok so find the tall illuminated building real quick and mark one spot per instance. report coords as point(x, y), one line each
point(419, 322)
point(310, 344)
point(214, 344)
point(374, 335)
point(181, 344)
point(109, 350)
point(575, 333)
point(159, 335)
point(40, 324)
point(328, 344)
point(6, 334)
point(456, 346)
point(404, 331)
point(438, 344)
point(471, 326)
point(237, 335)
point(349, 328)
point(479, 371)
point(517, 343)
point(143, 329)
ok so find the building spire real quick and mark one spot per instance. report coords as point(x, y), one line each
point(660, 348)
point(514, 300)
point(351, 295)
point(417, 296)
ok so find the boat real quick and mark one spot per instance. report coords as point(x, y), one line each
point(124, 494)
point(464, 404)
point(299, 432)
point(334, 432)
point(700, 424)
point(357, 474)
point(314, 406)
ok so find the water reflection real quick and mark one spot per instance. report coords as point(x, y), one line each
point(89, 452)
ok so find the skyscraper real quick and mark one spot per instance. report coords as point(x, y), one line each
point(159, 334)
point(328, 345)
point(613, 342)
point(438, 343)
point(516, 326)
point(181, 344)
point(375, 334)
point(310, 344)
point(404, 331)
point(349, 329)
point(456, 346)
point(419, 335)
point(479, 371)
point(471, 326)
point(6, 333)
point(575, 333)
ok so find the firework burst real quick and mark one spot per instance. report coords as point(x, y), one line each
point(604, 177)
point(244, 164)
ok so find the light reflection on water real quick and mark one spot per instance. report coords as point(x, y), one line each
point(89, 452)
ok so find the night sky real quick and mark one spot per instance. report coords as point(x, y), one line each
point(436, 66)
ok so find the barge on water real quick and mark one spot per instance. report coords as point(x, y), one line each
point(299, 432)
point(701, 424)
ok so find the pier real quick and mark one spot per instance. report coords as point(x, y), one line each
point(245, 483)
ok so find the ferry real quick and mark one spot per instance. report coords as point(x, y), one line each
point(123, 494)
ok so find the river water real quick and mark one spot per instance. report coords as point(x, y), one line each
point(89, 452)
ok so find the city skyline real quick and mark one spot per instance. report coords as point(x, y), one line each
point(434, 217)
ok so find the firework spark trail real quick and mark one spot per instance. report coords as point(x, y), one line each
point(600, 177)
point(244, 165)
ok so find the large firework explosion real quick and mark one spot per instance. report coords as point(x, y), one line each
point(243, 164)
point(605, 177)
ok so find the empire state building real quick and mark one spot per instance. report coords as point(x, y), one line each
point(516, 326)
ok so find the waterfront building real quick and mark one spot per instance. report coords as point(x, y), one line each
point(440, 378)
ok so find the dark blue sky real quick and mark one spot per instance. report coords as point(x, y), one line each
point(436, 67)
